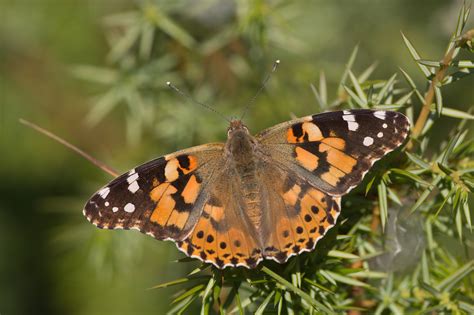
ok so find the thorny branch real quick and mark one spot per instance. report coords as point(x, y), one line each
point(438, 77)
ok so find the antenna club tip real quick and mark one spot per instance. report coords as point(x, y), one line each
point(277, 61)
point(168, 83)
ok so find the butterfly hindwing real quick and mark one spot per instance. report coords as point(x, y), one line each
point(223, 235)
point(161, 198)
point(335, 150)
point(298, 215)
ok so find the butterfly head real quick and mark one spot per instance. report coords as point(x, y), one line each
point(236, 127)
point(240, 144)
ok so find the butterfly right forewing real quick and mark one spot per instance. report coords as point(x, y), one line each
point(334, 150)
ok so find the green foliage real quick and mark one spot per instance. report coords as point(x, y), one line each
point(404, 241)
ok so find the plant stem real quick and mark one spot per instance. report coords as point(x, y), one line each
point(438, 77)
point(109, 170)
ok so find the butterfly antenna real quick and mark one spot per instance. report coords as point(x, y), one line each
point(264, 82)
point(174, 88)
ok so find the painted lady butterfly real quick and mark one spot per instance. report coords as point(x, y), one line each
point(269, 196)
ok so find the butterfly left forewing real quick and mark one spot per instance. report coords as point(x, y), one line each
point(162, 198)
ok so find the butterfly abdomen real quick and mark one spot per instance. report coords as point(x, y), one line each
point(250, 192)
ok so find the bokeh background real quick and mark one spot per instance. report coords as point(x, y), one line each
point(94, 72)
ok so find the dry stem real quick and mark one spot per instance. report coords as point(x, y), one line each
point(51, 135)
point(438, 77)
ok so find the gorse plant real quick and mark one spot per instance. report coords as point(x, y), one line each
point(403, 242)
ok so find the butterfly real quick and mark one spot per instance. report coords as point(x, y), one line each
point(269, 196)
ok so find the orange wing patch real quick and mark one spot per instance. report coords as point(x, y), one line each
point(175, 196)
point(306, 159)
point(333, 176)
point(165, 205)
point(183, 163)
point(303, 132)
point(309, 214)
point(216, 239)
point(335, 156)
point(191, 191)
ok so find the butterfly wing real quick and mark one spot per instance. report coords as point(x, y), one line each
point(162, 198)
point(333, 151)
point(311, 162)
point(297, 214)
point(223, 234)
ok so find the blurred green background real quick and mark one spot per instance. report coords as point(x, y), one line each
point(94, 72)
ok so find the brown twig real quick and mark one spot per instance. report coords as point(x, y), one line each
point(438, 77)
point(374, 224)
point(51, 135)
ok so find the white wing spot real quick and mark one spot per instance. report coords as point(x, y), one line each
point(133, 187)
point(380, 114)
point(132, 178)
point(349, 118)
point(346, 112)
point(352, 125)
point(380, 135)
point(114, 209)
point(368, 141)
point(129, 207)
point(384, 126)
point(132, 171)
point(104, 192)
point(107, 203)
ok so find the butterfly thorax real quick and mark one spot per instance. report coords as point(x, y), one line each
point(241, 148)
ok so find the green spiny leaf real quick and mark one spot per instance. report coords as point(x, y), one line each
point(418, 160)
point(347, 280)
point(382, 193)
point(349, 65)
point(410, 175)
point(355, 97)
point(367, 72)
point(189, 292)
point(340, 254)
point(416, 56)
point(357, 87)
point(298, 291)
point(318, 97)
point(439, 100)
point(412, 85)
point(387, 86)
point(425, 194)
point(455, 113)
point(264, 304)
point(448, 283)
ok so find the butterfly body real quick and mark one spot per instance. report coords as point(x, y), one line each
point(269, 196)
